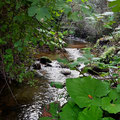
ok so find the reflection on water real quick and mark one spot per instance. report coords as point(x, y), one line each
point(32, 99)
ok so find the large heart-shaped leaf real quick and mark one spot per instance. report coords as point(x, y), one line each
point(92, 113)
point(87, 91)
point(114, 96)
point(41, 13)
point(107, 105)
point(70, 111)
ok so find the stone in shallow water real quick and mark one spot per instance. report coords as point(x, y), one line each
point(45, 60)
point(66, 72)
point(36, 66)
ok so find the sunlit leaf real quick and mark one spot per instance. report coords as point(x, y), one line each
point(81, 88)
point(92, 113)
point(70, 111)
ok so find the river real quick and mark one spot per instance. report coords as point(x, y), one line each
point(32, 99)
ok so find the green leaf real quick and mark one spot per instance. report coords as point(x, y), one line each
point(87, 91)
point(20, 49)
point(118, 88)
point(115, 4)
point(83, 60)
point(56, 84)
point(64, 61)
point(69, 1)
point(107, 26)
point(53, 110)
point(108, 118)
point(74, 16)
point(92, 113)
point(45, 118)
point(113, 95)
point(43, 14)
point(70, 111)
point(110, 107)
point(67, 9)
point(2, 42)
point(8, 51)
point(32, 10)
point(18, 43)
point(73, 64)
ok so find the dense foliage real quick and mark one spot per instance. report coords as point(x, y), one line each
point(25, 24)
point(94, 97)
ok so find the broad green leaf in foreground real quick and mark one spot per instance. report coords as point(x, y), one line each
point(70, 111)
point(110, 107)
point(87, 91)
point(118, 88)
point(92, 113)
point(114, 96)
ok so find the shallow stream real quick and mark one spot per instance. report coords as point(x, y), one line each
point(32, 99)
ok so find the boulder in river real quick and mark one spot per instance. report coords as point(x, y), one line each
point(36, 66)
point(45, 60)
point(66, 72)
point(48, 65)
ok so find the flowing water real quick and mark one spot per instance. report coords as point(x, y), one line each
point(32, 99)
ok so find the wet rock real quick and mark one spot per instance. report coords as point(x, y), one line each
point(38, 74)
point(103, 42)
point(66, 72)
point(118, 53)
point(36, 66)
point(45, 60)
point(63, 50)
point(48, 65)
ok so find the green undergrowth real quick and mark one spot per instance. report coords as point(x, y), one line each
point(90, 99)
point(93, 97)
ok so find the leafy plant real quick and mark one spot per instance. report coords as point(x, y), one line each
point(93, 97)
point(87, 91)
point(56, 84)
point(114, 4)
point(24, 26)
point(50, 111)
